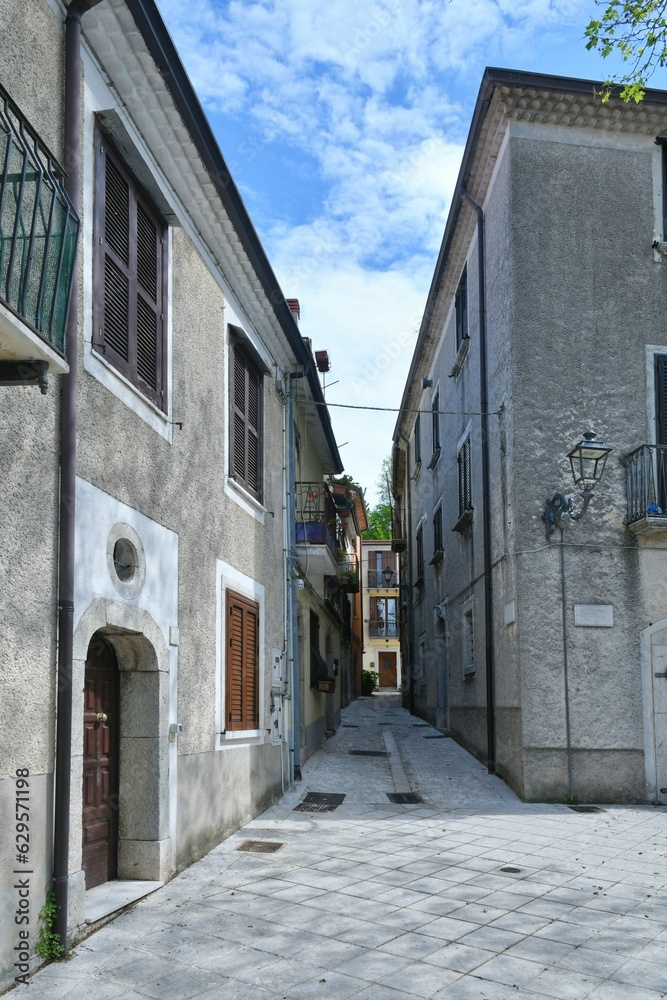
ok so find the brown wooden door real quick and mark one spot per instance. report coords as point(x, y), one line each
point(387, 668)
point(100, 763)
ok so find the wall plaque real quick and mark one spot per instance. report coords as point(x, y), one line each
point(594, 615)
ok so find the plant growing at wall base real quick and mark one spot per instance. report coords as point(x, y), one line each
point(368, 682)
point(48, 943)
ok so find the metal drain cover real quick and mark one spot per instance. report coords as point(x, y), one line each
point(438, 736)
point(512, 870)
point(260, 846)
point(350, 725)
point(326, 798)
point(313, 807)
point(586, 809)
point(404, 798)
point(368, 753)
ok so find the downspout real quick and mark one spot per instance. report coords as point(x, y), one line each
point(411, 616)
point(295, 749)
point(486, 493)
point(67, 486)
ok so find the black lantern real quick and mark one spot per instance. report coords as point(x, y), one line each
point(587, 461)
point(387, 574)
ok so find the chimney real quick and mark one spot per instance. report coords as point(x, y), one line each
point(295, 309)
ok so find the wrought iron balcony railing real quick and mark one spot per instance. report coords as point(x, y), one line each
point(380, 629)
point(315, 516)
point(39, 229)
point(646, 482)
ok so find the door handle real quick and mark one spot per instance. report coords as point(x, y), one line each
point(101, 716)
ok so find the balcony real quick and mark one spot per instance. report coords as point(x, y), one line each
point(316, 529)
point(646, 484)
point(377, 581)
point(378, 628)
point(348, 574)
point(39, 230)
point(399, 540)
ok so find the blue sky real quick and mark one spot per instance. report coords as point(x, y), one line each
point(343, 123)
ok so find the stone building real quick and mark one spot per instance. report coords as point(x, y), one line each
point(147, 608)
point(543, 653)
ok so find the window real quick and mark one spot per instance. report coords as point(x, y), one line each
point(465, 478)
point(437, 535)
point(378, 562)
point(420, 554)
point(418, 440)
point(461, 308)
point(130, 277)
point(245, 421)
point(435, 421)
point(242, 666)
point(383, 621)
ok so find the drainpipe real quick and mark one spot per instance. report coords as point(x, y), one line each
point(411, 614)
point(67, 485)
point(295, 749)
point(486, 504)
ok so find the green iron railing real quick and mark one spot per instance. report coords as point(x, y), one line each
point(39, 229)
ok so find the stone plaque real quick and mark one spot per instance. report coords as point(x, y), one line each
point(594, 615)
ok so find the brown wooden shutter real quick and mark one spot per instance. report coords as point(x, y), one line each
point(242, 682)
point(661, 398)
point(246, 422)
point(130, 280)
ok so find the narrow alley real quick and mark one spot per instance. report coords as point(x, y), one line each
point(455, 889)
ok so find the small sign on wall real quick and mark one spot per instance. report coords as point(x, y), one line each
point(594, 615)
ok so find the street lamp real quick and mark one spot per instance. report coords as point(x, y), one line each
point(587, 461)
point(387, 574)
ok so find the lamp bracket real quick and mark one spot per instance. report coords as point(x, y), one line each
point(560, 506)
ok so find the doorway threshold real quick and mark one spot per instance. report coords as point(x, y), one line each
point(108, 898)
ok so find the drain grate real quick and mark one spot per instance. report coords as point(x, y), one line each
point(404, 798)
point(438, 736)
point(350, 725)
point(586, 809)
point(260, 846)
point(368, 753)
point(320, 802)
point(420, 725)
point(509, 868)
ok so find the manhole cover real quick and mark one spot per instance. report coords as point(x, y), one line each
point(404, 798)
point(368, 753)
point(586, 809)
point(509, 868)
point(260, 846)
point(439, 736)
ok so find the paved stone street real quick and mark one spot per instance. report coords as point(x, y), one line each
point(471, 894)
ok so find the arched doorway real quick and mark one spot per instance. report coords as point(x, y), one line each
point(101, 711)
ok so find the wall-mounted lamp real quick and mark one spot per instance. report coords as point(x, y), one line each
point(587, 461)
point(426, 383)
point(387, 574)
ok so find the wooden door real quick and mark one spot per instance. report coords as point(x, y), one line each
point(100, 763)
point(387, 669)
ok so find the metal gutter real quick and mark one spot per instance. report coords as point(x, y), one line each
point(63, 764)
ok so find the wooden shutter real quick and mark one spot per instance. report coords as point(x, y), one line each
point(465, 478)
point(461, 308)
point(661, 398)
point(130, 277)
point(246, 422)
point(242, 687)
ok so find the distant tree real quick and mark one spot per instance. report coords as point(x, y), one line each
point(380, 516)
point(637, 31)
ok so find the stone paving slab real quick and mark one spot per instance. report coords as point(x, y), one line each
point(470, 894)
